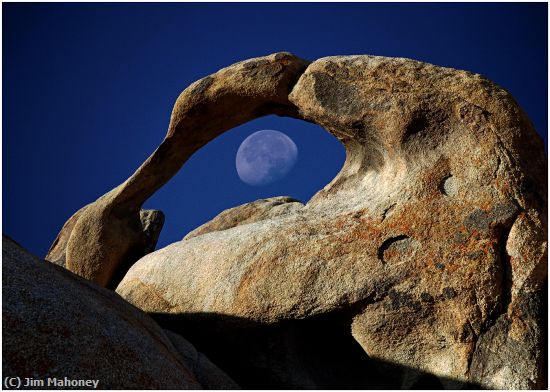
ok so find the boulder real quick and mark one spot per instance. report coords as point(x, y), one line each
point(429, 246)
point(56, 325)
point(248, 213)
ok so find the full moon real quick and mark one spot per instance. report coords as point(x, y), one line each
point(265, 157)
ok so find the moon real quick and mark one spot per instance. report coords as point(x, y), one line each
point(265, 156)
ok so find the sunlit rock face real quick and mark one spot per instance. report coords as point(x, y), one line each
point(429, 244)
point(421, 264)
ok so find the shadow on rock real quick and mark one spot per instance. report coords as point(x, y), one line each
point(314, 353)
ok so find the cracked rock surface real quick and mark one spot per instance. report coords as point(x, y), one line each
point(427, 252)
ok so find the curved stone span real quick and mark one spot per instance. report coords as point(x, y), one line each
point(432, 237)
point(108, 233)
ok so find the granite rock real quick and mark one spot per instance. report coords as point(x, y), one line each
point(58, 325)
point(431, 239)
point(107, 234)
point(248, 213)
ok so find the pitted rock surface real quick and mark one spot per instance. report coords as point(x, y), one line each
point(430, 244)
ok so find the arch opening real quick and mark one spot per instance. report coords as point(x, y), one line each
point(208, 182)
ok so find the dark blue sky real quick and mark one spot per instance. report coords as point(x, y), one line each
point(88, 90)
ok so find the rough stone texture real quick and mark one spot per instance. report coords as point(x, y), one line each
point(55, 324)
point(107, 233)
point(57, 252)
point(151, 224)
point(431, 239)
point(248, 213)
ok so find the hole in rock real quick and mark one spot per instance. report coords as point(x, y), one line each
point(208, 182)
point(418, 123)
point(400, 240)
point(448, 186)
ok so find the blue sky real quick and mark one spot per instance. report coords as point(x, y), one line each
point(88, 90)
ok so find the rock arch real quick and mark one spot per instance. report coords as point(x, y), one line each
point(461, 265)
point(108, 233)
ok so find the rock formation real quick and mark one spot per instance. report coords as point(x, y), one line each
point(427, 252)
point(248, 213)
point(151, 222)
point(107, 233)
point(57, 325)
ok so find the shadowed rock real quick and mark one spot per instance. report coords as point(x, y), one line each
point(432, 236)
point(57, 325)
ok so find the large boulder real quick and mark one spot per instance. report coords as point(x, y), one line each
point(429, 245)
point(56, 325)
